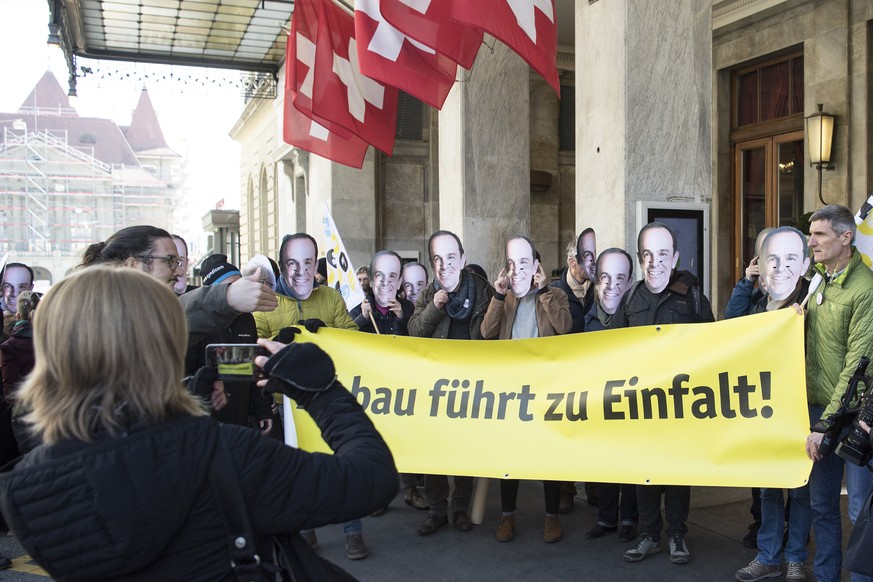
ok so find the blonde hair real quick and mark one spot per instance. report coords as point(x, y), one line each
point(110, 345)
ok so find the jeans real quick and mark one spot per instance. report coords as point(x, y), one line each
point(677, 499)
point(825, 483)
point(509, 495)
point(772, 523)
point(436, 490)
point(349, 528)
point(618, 502)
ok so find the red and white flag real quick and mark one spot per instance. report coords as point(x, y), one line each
point(430, 23)
point(300, 129)
point(340, 93)
point(528, 27)
point(388, 55)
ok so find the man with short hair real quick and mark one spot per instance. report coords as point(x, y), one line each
point(413, 281)
point(299, 299)
point(838, 334)
point(665, 295)
point(363, 275)
point(575, 282)
point(524, 306)
point(452, 307)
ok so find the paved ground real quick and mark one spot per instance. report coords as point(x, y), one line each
point(397, 553)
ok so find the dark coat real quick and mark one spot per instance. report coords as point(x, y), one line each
point(18, 357)
point(578, 308)
point(139, 507)
point(388, 324)
point(430, 321)
point(682, 301)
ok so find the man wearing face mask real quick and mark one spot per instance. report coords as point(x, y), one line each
point(390, 312)
point(299, 299)
point(665, 295)
point(413, 280)
point(452, 307)
point(523, 307)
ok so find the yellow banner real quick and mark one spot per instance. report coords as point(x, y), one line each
point(704, 404)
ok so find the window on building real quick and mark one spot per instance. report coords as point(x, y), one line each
point(567, 118)
point(767, 144)
point(410, 117)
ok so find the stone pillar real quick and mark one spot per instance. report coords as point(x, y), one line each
point(484, 154)
point(351, 196)
point(545, 201)
point(643, 110)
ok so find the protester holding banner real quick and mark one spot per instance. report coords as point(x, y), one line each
point(838, 334)
point(617, 502)
point(452, 307)
point(783, 261)
point(665, 295)
point(298, 298)
point(574, 282)
point(391, 314)
point(523, 307)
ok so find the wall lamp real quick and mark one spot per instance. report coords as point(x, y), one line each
point(820, 141)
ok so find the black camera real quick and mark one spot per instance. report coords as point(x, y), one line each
point(834, 425)
point(855, 447)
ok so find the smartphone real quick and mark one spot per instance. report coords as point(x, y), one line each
point(234, 361)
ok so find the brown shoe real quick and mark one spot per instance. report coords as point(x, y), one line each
point(432, 523)
point(506, 528)
point(552, 531)
point(462, 521)
point(414, 499)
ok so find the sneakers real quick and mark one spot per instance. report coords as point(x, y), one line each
point(646, 546)
point(432, 523)
point(552, 531)
point(462, 521)
point(355, 547)
point(414, 499)
point(506, 528)
point(679, 553)
point(310, 538)
point(794, 572)
point(750, 540)
point(758, 571)
point(598, 531)
point(627, 534)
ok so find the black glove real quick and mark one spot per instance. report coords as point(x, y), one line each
point(200, 384)
point(312, 325)
point(300, 372)
point(286, 335)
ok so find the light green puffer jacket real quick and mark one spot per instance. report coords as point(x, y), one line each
point(838, 332)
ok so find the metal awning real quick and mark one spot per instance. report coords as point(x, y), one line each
point(234, 34)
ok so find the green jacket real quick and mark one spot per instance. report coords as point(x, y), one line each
point(838, 332)
point(325, 304)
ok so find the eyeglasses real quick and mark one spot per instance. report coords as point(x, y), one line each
point(172, 262)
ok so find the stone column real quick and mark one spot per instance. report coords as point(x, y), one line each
point(351, 196)
point(643, 110)
point(484, 154)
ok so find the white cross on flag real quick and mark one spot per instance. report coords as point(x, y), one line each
point(340, 93)
point(386, 54)
point(430, 22)
point(528, 27)
point(299, 128)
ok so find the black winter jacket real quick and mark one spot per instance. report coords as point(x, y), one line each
point(389, 324)
point(139, 506)
point(681, 302)
point(578, 309)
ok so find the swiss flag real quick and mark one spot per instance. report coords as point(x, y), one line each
point(340, 93)
point(526, 26)
point(299, 129)
point(430, 23)
point(386, 54)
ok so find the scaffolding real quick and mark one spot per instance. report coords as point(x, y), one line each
point(56, 198)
